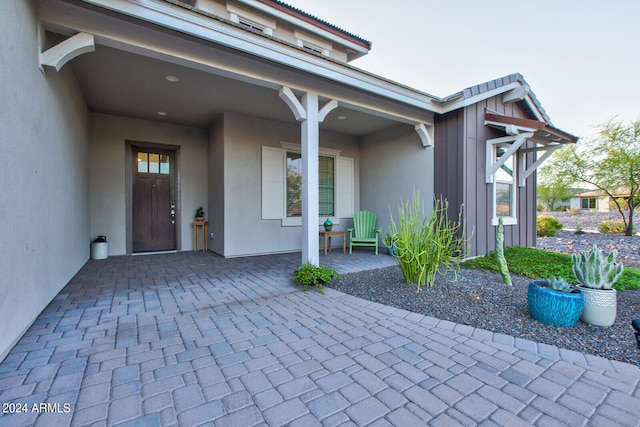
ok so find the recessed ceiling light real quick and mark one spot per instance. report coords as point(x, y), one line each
point(341, 117)
point(172, 79)
point(162, 113)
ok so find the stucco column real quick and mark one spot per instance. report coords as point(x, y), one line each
point(310, 206)
point(310, 115)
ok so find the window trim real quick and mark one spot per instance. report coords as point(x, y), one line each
point(274, 198)
point(259, 22)
point(312, 44)
point(295, 221)
point(513, 218)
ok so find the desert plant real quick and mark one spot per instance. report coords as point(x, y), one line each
point(427, 244)
point(502, 262)
point(311, 274)
point(547, 226)
point(560, 284)
point(578, 230)
point(573, 210)
point(595, 271)
point(615, 227)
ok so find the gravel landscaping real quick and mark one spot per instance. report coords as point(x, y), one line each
point(481, 300)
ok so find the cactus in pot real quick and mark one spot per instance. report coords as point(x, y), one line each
point(597, 274)
point(595, 271)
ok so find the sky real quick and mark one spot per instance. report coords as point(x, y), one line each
point(581, 58)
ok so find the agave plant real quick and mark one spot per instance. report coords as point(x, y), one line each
point(560, 284)
point(595, 271)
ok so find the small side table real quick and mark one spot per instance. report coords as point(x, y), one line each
point(329, 234)
point(202, 225)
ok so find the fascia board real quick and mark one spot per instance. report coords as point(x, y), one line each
point(465, 102)
point(203, 28)
point(534, 109)
point(304, 25)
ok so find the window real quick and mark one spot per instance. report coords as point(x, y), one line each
point(589, 203)
point(282, 184)
point(153, 163)
point(294, 184)
point(504, 188)
point(326, 185)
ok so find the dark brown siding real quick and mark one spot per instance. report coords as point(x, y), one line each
point(460, 157)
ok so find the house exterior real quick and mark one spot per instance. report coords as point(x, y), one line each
point(596, 200)
point(121, 117)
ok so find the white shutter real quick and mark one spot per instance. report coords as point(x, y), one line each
point(273, 182)
point(345, 187)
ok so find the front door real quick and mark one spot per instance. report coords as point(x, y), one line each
point(153, 202)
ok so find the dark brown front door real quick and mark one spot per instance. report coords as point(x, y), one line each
point(153, 200)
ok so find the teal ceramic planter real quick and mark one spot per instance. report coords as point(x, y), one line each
point(554, 308)
point(391, 250)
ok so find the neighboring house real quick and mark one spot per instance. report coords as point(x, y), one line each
point(597, 200)
point(136, 112)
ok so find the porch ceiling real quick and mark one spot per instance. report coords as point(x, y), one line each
point(126, 84)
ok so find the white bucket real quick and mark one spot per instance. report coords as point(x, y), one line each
point(99, 250)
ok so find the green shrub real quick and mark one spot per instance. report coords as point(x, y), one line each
point(311, 274)
point(427, 245)
point(547, 226)
point(615, 227)
point(578, 230)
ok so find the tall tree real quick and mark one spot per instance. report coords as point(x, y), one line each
point(551, 188)
point(611, 163)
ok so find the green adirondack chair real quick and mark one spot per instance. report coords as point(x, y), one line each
point(364, 232)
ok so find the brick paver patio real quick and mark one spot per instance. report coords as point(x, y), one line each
point(193, 339)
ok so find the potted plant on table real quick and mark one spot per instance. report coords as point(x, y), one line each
point(597, 275)
point(199, 216)
point(554, 302)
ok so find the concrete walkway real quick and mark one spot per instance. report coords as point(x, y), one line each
point(193, 339)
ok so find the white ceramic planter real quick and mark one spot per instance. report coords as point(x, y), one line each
point(600, 306)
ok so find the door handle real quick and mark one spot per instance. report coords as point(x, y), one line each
point(173, 213)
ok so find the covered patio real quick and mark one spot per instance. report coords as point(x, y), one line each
point(192, 338)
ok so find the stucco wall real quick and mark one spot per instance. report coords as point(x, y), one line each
point(216, 186)
point(109, 136)
point(44, 217)
point(244, 231)
point(394, 163)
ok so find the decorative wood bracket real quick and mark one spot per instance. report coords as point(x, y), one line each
point(515, 142)
point(57, 56)
point(294, 104)
point(548, 149)
point(287, 95)
point(326, 109)
point(425, 133)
